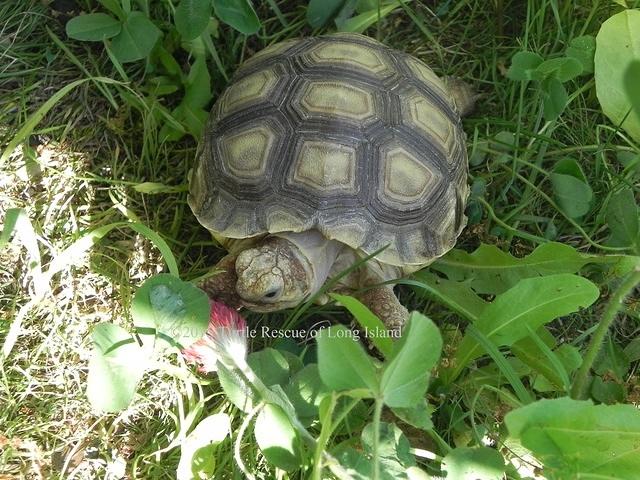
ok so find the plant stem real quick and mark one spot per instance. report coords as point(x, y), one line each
point(377, 414)
point(579, 387)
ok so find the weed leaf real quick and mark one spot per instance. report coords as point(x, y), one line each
point(136, 40)
point(171, 309)
point(576, 439)
point(479, 463)
point(197, 459)
point(406, 374)
point(583, 50)
point(192, 17)
point(617, 47)
point(277, 438)
point(343, 363)
point(93, 27)
point(623, 218)
point(532, 303)
point(115, 368)
point(523, 66)
point(319, 12)
point(239, 14)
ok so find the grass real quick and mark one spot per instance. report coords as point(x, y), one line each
point(80, 167)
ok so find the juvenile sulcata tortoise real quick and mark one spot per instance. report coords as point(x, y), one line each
point(322, 151)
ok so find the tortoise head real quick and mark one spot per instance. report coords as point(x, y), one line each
point(273, 276)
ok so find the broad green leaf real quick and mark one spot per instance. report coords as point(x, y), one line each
point(623, 219)
point(617, 47)
point(418, 415)
point(583, 50)
point(632, 86)
point(361, 22)
point(523, 66)
point(93, 27)
point(236, 388)
point(406, 373)
point(198, 85)
point(115, 368)
point(394, 452)
point(532, 303)
point(277, 438)
point(239, 14)
point(604, 390)
point(270, 366)
point(368, 321)
point(319, 12)
point(343, 363)
point(562, 69)
point(572, 192)
point(457, 295)
point(489, 270)
point(168, 307)
point(137, 38)
point(197, 452)
point(192, 17)
point(305, 390)
point(555, 99)
point(478, 463)
point(576, 439)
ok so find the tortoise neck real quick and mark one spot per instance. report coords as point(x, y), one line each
point(320, 253)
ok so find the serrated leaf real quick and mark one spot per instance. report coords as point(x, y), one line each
point(617, 47)
point(197, 458)
point(523, 65)
point(623, 219)
point(192, 17)
point(277, 438)
point(456, 295)
point(172, 309)
point(238, 14)
point(319, 12)
point(526, 307)
point(137, 38)
point(406, 373)
point(343, 363)
point(93, 27)
point(489, 270)
point(115, 368)
point(576, 439)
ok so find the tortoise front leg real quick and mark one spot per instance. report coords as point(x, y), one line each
point(386, 306)
point(222, 285)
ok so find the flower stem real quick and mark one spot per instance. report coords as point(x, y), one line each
point(579, 387)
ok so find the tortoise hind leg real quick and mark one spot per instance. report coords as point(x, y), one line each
point(464, 96)
point(386, 306)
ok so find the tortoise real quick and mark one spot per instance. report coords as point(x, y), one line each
point(322, 152)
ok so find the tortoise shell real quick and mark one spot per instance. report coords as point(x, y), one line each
point(341, 134)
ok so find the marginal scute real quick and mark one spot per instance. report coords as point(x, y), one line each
point(428, 77)
point(420, 112)
point(405, 178)
point(245, 153)
point(251, 89)
point(326, 166)
point(336, 99)
point(284, 221)
point(350, 54)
